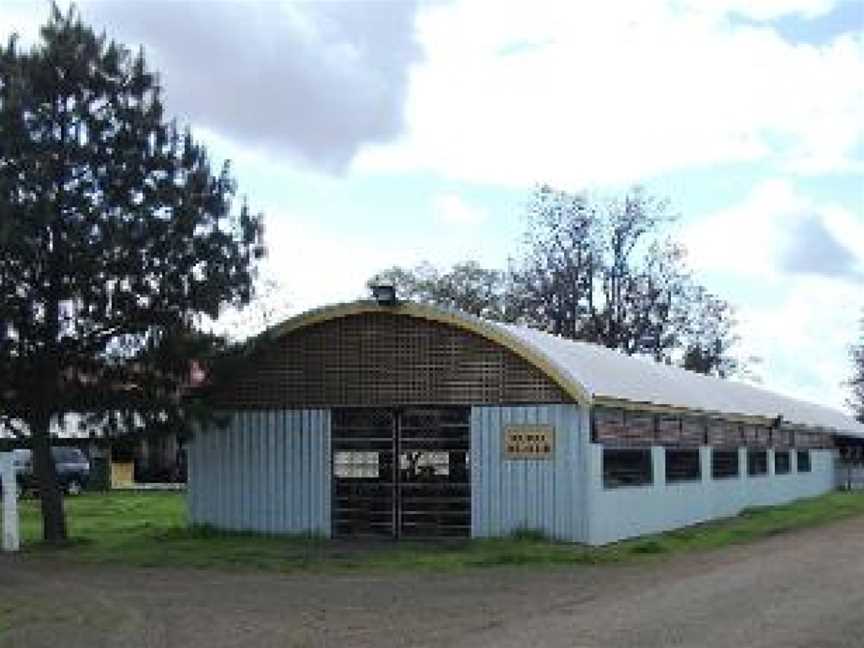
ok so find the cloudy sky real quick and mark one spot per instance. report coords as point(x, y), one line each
point(390, 132)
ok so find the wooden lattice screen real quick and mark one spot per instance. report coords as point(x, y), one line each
point(633, 428)
point(383, 359)
point(808, 439)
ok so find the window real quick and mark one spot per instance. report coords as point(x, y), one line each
point(21, 458)
point(781, 462)
point(626, 467)
point(355, 464)
point(424, 465)
point(724, 464)
point(803, 461)
point(757, 462)
point(682, 465)
point(63, 454)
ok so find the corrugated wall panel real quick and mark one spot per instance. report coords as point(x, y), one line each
point(267, 471)
point(618, 513)
point(540, 494)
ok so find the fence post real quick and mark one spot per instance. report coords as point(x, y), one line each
point(11, 540)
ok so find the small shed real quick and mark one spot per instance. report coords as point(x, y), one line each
point(409, 420)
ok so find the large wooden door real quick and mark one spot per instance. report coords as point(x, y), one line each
point(401, 473)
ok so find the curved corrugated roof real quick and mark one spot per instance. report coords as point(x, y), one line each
point(590, 372)
point(608, 374)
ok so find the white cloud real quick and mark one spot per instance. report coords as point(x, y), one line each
point(764, 9)
point(801, 324)
point(568, 93)
point(804, 340)
point(309, 265)
point(750, 240)
point(451, 209)
point(618, 92)
point(319, 266)
point(743, 240)
point(310, 81)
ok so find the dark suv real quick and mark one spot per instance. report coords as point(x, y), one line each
point(73, 469)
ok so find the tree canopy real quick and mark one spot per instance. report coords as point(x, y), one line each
point(606, 271)
point(599, 270)
point(117, 235)
point(467, 286)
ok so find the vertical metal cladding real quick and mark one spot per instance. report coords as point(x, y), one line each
point(618, 513)
point(538, 494)
point(266, 471)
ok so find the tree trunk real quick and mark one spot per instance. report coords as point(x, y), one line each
point(53, 515)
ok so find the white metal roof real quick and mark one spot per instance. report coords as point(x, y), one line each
point(605, 373)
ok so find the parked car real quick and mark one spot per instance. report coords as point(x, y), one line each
point(73, 469)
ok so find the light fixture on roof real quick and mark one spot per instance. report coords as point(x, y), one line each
point(384, 294)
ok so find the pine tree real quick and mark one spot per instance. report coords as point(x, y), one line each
point(116, 237)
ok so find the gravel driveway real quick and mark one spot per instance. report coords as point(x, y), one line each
point(798, 589)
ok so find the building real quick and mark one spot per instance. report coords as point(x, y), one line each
point(408, 420)
point(152, 456)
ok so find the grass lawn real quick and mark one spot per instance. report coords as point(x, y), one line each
point(150, 529)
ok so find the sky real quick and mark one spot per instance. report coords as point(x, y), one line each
point(375, 134)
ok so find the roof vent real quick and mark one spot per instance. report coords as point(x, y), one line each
point(384, 294)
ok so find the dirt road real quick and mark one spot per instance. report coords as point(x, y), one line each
point(801, 589)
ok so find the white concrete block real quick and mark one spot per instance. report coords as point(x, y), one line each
point(11, 528)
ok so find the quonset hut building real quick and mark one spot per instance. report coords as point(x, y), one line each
point(408, 420)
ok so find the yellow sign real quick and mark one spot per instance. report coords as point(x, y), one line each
point(529, 441)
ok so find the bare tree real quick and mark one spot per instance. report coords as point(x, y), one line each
point(552, 287)
point(638, 273)
point(709, 334)
point(604, 271)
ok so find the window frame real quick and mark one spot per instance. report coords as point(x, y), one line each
point(753, 452)
point(715, 474)
point(679, 476)
point(788, 456)
point(806, 453)
point(644, 472)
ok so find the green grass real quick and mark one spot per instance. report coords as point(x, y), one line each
point(149, 529)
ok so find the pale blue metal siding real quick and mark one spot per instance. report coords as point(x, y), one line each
point(618, 513)
point(267, 471)
point(541, 494)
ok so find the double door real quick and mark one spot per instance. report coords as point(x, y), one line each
point(401, 472)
